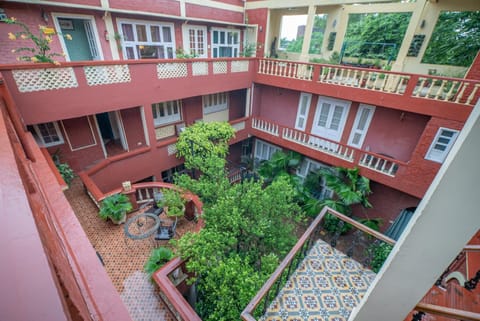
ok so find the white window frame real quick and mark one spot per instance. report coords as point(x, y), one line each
point(148, 24)
point(261, 146)
point(436, 155)
point(198, 51)
point(92, 36)
point(302, 111)
point(306, 167)
point(326, 132)
point(41, 137)
point(168, 108)
point(361, 131)
point(214, 103)
point(217, 46)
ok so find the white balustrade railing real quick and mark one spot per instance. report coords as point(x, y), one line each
point(265, 126)
point(377, 163)
point(322, 145)
point(288, 69)
point(453, 90)
point(365, 79)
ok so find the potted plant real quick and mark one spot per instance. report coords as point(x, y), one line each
point(172, 202)
point(115, 207)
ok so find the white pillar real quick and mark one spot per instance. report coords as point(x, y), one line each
point(443, 223)
point(307, 37)
point(415, 19)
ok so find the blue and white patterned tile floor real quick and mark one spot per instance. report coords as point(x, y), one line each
point(326, 287)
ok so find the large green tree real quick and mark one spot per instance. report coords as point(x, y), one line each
point(455, 39)
point(248, 228)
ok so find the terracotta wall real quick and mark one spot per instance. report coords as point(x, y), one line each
point(169, 7)
point(259, 17)
point(31, 16)
point(85, 144)
point(394, 133)
point(203, 12)
point(387, 203)
point(276, 104)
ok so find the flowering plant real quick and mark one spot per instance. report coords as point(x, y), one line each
point(41, 51)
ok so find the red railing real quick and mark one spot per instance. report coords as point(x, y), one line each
point(298, 252)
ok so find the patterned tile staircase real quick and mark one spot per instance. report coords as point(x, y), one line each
point(326, 286)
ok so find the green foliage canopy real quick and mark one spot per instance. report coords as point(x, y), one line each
point(455, 39)
point(366, 34)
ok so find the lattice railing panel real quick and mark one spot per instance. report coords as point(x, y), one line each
point(171, 149)
point(239, 126)
point(29, 80)
point(240, 66)
point(171, 70)
point(219, 67)
point(106, 75)
point(199, 68)
point(163, 132)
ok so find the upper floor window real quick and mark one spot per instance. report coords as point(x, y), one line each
point(215, 102)
point(166, 112)
point(147, 40)
point(48, 134)
point(225, 43)
point(442, 144)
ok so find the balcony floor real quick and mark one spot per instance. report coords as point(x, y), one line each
point(123, 258)
point(327, 285)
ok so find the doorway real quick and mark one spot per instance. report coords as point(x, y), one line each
point(85, 42)
point(111, 130)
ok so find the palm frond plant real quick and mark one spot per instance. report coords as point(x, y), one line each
point(158, 258)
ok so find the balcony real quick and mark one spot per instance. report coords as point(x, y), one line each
point(377, 167)
point(315, 280)
point(450, 98)
point(117, 85)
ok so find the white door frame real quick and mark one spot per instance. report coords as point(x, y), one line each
point(186, 39)
point(362, 132)
point(90, 18)
point(319, 131)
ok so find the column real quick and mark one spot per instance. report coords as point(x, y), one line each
point(308, 33)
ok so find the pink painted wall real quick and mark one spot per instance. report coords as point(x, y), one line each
point(277, 104)
point(394, 133)
point(170, 7)
point(80, 134)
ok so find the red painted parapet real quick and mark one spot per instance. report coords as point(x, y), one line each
point(114, 85)
point(70, 253)
point(430, 95)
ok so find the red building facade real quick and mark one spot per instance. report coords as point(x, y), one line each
point(113, 110)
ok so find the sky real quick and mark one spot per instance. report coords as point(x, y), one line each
point(290, 24)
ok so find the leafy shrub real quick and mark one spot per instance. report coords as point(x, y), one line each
point(66, 171)
point(380, 252)
point(158, 258)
